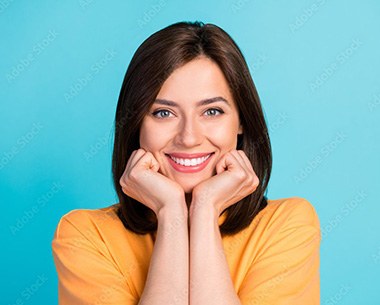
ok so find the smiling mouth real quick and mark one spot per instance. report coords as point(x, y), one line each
point(189, 162)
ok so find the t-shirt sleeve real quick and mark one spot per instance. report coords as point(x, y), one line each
point(286, 270)
point(86, 272)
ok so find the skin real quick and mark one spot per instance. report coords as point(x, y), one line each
point(188, 128)
point(194, 200)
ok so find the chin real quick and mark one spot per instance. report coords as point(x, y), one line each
point(188, 188)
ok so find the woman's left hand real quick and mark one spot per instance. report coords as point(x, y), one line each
point(234, 180)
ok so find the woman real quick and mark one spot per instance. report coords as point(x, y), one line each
point(191, 162)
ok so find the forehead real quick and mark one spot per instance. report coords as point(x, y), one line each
point(195, 81)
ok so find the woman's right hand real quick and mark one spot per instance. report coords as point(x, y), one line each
point(142, 181)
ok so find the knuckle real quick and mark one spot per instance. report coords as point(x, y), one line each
point(121, 181)
point(256, 182)
point(241, 175)
point(250, 179)
point(133, 175)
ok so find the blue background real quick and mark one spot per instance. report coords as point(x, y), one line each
point(316, 67)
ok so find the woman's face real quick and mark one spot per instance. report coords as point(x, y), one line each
point(193, 118)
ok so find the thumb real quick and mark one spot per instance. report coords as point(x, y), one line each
point(150, 162)
point(224, 164)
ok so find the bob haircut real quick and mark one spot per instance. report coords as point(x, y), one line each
point(156, 58)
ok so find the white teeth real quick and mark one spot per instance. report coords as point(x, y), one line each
point(190, 162)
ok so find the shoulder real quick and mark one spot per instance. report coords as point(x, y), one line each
point(286, 225)
point(285, 215)
point(293, 210)
point(93, 231)
point(87, 221)
point(284, 251)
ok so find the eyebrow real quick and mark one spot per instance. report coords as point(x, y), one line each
point(200, 103)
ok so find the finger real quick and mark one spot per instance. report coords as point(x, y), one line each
point(240, 159)
point(245, 159)
point(131, 158)
point(136, 156)
point(128, 167)
point(248, 163)
point(148, 161)
point(246, 166)
point(226, 163)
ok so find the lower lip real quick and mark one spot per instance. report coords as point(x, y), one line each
point(189, 169)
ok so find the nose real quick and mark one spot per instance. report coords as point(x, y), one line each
point(189, 133)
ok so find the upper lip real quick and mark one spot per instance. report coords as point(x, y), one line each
point(189, 156)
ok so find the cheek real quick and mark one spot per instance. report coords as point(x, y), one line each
point(151, 139)
point(146, 141)
point(225, 137)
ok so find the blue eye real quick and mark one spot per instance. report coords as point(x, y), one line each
point(164, 113)
point(161, 112)
point(212, 111)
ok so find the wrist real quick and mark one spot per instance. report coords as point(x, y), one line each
point(176, 209)
point(206, 211)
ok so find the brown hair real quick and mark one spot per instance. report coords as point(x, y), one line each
point(156, 58)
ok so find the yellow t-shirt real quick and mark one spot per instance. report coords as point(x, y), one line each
point(273, 261)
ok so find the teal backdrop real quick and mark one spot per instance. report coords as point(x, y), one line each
point(316, 66)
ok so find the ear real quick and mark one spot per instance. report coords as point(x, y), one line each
point(240, 131)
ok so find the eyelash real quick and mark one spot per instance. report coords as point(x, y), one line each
point(162, 110)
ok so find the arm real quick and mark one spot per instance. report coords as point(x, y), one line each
point(210, 279)
point(167, 279)
point(168, 276)
point(286, 270)
point(88, 274)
